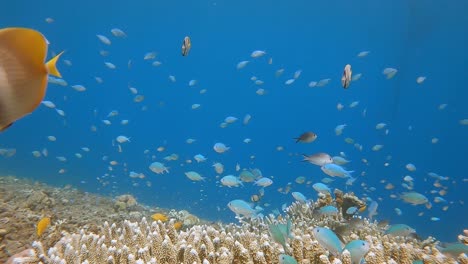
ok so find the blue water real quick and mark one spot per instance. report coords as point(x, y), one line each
point(419, 38)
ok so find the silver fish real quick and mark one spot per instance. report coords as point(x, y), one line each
point(318, 159)
point(306, 137)
point(346, 78)
point(186, 45)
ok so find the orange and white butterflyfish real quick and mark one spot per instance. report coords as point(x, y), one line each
point(23, 73)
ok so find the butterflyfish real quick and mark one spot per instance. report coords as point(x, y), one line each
point(42, 225)
point(23, 74)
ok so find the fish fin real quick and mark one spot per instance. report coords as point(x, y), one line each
point(51, 65)
point(342, 240)
point(6, 127)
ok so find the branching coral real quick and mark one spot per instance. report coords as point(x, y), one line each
point(158, 242)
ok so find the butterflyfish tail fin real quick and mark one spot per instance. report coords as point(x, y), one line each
point(51, 66)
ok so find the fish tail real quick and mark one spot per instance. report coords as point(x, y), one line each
point(51, 66)
point(297, 139)
point(305, 157)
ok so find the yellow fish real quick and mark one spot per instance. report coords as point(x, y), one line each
point(186, 45)
point(42, 225)
point(363, 208)
point(23, 74)
point(178, 225)
point(160, 217)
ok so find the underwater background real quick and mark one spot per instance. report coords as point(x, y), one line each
point(418, 38)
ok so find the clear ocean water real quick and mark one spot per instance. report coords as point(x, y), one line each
point(418, 38)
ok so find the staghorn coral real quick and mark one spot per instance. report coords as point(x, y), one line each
point(249, 242)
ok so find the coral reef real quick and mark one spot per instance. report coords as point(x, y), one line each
point(248, 242)
point(184, 217)
point(74, 237)
point(24, 202)
point(125, 202)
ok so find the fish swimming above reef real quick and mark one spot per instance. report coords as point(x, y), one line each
point(334, 170)
point(346, 78)
point(454, 249)
point(23, 78)
point(318, 159)
point(286, 259)
point(242, 208)
point(328, 240)
point(414, 198)
point(372, 209)
point(281, 233)
point(358, 249)
point(306, 137)
point(186, 46)
point(42, 226)
point(400, 230)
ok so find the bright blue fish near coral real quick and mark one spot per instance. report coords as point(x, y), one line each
point(241, 207)
point(358, 249)
point(328, 239)
point(334, 170)
point(328, 210)
point(400, 230)
point(281, 233)
point(454, 250)
point(285, 259)
point(321, 188)
point(299, 197)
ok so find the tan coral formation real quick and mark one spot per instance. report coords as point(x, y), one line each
point(24, 202)
point(125, 202)
point(143, 242)
point(157, 242)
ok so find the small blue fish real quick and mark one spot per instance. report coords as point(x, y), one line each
point(414, 198)
point(454, 249)
point(285, 259)
point(351, 210)
point(334, 170)
point(400, 230)
point(299, 197)
point(439, 199)
point(328, 210)
point(281, 233)
point(241, 207)
point(372, 209)
point(321, 188)
point(358, 249)
point(328, 240)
